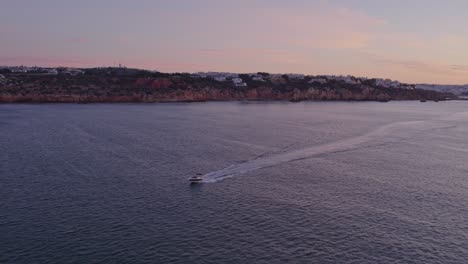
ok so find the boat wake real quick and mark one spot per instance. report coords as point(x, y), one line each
point(388, 134)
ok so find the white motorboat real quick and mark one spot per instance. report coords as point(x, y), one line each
point(196, 179)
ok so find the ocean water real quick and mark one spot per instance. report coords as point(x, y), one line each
point(312, 182)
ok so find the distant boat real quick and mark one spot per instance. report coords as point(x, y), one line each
point(196, 179)
point(422, 101)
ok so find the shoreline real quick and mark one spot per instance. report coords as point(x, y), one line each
point(246, 101)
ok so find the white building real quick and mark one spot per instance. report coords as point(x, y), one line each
point(72, 71)
point(220, 78)
point(387, 83)
point(215, 75)
point(19, 70)
point(237, 80)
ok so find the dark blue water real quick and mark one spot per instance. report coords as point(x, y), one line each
point(287, 183)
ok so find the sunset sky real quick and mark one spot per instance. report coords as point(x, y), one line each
point(410, 40)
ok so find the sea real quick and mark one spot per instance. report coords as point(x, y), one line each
point(309, 182)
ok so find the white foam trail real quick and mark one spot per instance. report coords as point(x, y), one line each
point(383, 135)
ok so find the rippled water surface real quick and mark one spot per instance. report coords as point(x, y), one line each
point(285, 183)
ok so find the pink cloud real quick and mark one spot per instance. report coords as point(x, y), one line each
point(279, 55)
point(78, 40)
point(328, 27)
point(7, 29)
point(456, 67)
point(424, 66)
point(414, 70)
point(333, 40)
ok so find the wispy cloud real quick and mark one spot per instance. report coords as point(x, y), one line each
point(261, 54)
point(325, 26)
point(383, 60)
point(412, 70)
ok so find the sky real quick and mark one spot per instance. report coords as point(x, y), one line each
point(414, 41)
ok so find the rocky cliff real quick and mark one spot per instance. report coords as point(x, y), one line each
point(104, 86)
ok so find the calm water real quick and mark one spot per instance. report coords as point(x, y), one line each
point(296, 183)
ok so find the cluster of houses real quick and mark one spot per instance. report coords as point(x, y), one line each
point(278, 78)
point(387, 83)
point(237, 81)
point(222, 77)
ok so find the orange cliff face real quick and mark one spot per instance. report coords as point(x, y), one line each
point(207, 95)
point(105, 87)
point(158, 83)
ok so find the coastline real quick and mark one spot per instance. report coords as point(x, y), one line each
point(246, 100)
point(111, 85)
